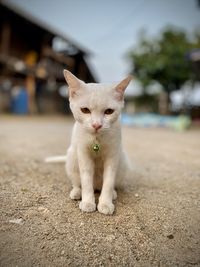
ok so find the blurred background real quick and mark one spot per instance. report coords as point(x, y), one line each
point(102, 41)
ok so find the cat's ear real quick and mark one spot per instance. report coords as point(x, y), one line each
point(121, 87)
point(73, 82)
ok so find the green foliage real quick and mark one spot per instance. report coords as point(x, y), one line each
point(146, 102)
point(164, 59)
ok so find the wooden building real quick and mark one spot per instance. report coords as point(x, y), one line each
point(29, 58)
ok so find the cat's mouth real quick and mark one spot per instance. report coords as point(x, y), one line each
point(96, 131)
point(99, 131)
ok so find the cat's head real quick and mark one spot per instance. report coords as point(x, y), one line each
point(94, 105)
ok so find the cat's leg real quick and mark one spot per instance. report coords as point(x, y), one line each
point(72, 170)
point(108, 193)
point(86, 166)
point(75, 193)
point(114, 196)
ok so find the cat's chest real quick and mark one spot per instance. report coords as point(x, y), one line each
point(100, 146)
point(96, 146)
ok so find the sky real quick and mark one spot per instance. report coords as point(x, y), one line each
point(110, 28)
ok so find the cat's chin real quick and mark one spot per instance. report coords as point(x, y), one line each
point(93, 131)
point(96, 132)
point(89, 130)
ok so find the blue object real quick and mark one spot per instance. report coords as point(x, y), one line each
point(19, 102)
point(178, 123)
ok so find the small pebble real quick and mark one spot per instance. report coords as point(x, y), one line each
point(17, 221)
point(43, 209)
point(170, 236)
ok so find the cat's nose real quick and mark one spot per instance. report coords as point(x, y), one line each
point(96, 126)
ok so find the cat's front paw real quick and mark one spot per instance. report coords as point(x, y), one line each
point(106, 208)
point(87, 206)
point(75, 193)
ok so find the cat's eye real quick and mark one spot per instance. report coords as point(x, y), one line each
point(108, 111)
point(85, 110)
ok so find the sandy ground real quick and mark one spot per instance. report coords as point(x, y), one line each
point(156, 222)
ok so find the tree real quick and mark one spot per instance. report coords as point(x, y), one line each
point(164, 59)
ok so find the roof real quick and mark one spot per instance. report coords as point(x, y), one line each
point(15, 9)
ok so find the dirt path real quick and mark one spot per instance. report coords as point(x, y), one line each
point(156, 223)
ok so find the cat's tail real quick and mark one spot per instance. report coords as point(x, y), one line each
point(56, 159)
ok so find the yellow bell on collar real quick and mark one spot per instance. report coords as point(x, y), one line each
point(96, 148)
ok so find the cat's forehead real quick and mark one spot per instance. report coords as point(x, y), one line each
point(98, 90)
point(97, 95)
point(98, 87)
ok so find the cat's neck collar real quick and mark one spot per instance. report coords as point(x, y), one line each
point(96, 145)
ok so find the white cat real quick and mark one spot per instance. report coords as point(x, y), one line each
point(95, 159)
